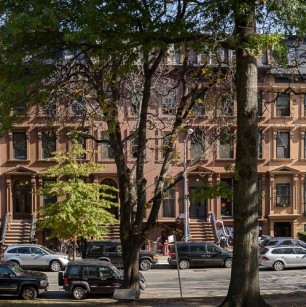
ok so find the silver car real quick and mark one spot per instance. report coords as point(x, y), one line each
point(36, 256)
point(280, 257)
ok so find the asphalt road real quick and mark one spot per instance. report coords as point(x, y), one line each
point(163, 282)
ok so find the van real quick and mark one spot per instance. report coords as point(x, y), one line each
point(199, 254)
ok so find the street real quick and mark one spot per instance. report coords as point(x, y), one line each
point(163, 282)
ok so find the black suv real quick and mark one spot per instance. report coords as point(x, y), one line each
point(15, 281)
point(112, 251)
point(92, 276)
point(198, 254)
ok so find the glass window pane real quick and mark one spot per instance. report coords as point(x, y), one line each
point(19, 146)
point(48, 139)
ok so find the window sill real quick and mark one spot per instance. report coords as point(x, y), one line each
point(19, 160)
point(45, 160)
point(282, 159)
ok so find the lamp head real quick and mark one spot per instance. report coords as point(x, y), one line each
point(190, 131)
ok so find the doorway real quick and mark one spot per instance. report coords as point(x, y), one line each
point(282, 229)
point(198, 206)
point(22, 199)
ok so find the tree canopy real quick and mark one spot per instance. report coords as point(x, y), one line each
point(103, 42)
point(79, 208)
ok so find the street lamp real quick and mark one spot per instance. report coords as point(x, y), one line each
point(186, 211)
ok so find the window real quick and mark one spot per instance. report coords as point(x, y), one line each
point(305, 145)
point(136, 104)
point(227, 105)
point(80, 138)
point(20, 109)
point(48, 143)
point(48, 199)
point(91, 271)
point(197, 146)
point(282, 145)
point(226, 146)
point(169, 203)
point(283, 105)
point(107, 152)
point(227, 204)
point(134, 147)
point(283, 194)
point(259, 104)
point(49, 109)
point(199, 106)
point(168, 104)
point(165, 142)
point(19, 146)
point(259, 199)
point(78, 107)
point(259, 145)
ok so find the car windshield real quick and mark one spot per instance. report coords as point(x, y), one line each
point(16, 269)
point(117, 271)
point(49, 251)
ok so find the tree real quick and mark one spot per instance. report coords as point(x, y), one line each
point(110, 37)
point(80, 208)
point(98, 69)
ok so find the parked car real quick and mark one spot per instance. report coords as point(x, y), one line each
point(36, 256)
point(200, 254)
point(281, 257)
point(280, 241)
point(92, 277)
point(112, 251)
point(14, 281)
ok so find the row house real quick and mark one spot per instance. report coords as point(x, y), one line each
point(25, 153)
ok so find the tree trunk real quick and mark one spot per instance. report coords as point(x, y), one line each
point(131, 266)
point(244, 285)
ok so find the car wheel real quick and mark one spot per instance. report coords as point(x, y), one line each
point(278, 266)
point(184, 264)
point(55, 266)
point(79, 293)
point(228, 263)
point(28, 293)
point(145, 264)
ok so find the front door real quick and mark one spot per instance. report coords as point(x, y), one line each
point(22, 199)
point(197, 209)
point(282, 229)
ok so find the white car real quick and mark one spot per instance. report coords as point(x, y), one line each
point(281, 257)
point(35, 256)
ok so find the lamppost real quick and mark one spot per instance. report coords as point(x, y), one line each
point(186, 209)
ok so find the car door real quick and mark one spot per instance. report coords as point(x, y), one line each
point(289, 256)
point(92, 277)
point(8, 281)
point(109, 280)
point(213, 255)
point(300, 256)
point(114, 253)
point(39, 257)
point(197, 254)
point(23, 256)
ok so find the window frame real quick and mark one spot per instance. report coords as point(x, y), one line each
point(285, 154)
point(283, 198)
point(282, 108)
point(24, 155)
point(49, 153)
point(169, 203)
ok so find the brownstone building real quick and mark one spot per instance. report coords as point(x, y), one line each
point(281, 163)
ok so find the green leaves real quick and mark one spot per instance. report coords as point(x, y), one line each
point(82, 208)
